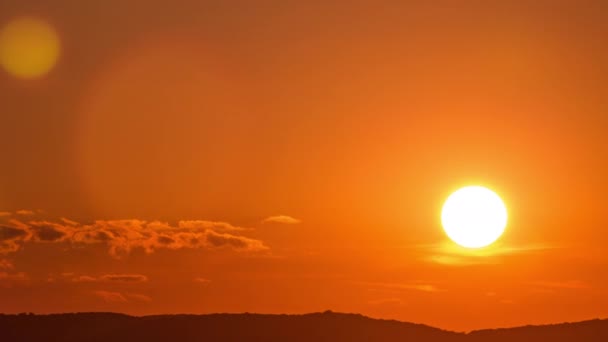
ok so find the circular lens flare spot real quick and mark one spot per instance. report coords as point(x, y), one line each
point(29, 48)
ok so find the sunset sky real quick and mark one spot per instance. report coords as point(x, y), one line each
point(282, 156)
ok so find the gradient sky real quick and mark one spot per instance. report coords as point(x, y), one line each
point(293, 156)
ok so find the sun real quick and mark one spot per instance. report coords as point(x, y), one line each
point(474, 217)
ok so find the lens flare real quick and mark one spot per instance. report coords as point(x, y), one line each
point(29, 48)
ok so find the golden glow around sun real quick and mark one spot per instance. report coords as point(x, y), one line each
point(474, 217)
point(29, 48)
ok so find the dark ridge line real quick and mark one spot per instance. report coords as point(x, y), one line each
point(311, 314)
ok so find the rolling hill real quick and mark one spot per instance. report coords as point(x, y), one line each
point(327, 326)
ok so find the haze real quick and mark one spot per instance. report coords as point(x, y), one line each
point(293, 157)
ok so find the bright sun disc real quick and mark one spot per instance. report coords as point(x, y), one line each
point(474, 217)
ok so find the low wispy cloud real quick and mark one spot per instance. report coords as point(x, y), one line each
point(118, 297)
point(11, 238)
point(13, 276)
point(24, 212)
point(450, 254)
point(283, 219)
point(6, 265)
point(8, 279)
point(139, 297)
point(422, 286)
point(84, 279)
point(213, 225)
point(125, 278)
point(68, 221)
point(124, 236)
point(201, 280)
point(118, 278)
point(110, 296)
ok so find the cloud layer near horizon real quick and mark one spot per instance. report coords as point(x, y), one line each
point(124, 236)
point(120, 278)
point(284, 219)
point(118, 297)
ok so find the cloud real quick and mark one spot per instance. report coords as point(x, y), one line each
point(44, 231)
point(118, 278)
point(284, 219)
point(125, 278)
point(117, 297)
point(202, 280)
point(416, 287)
point(5, 213)
point(68, 222)
point(123, 236)
point(450, 254)
point(421, 287)
point(12, 276)
point(11, 233)
point(139, 297)
point(10, 238)
point(410, 286)
point(213, 225)
point(84, 279)
point(6, 265)
point(461, 260)
point(237, 242)
point(24, 212)
point(9, 279)
point(110, 297)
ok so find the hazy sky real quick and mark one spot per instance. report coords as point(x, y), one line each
point(293, 156)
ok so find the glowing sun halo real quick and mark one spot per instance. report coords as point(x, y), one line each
point(29, 48)
point(474, 217)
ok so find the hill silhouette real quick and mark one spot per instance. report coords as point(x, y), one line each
point(327, 326)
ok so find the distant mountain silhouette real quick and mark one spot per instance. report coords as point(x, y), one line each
point(594, 330)
point(327, 326)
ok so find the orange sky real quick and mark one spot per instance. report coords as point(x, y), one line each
point(293, 156)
